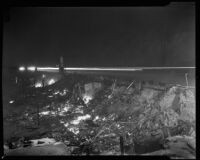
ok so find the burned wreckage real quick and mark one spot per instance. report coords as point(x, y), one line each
point(101, 115)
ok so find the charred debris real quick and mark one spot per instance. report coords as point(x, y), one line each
point(101, 115)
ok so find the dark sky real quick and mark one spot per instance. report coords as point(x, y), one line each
point(101, 36)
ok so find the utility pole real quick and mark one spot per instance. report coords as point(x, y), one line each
point(43, 80)
point(38, 115)
point(121, 145)
point(186, 79)
point(61, 66)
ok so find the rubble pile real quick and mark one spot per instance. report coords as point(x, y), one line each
point(90, 116)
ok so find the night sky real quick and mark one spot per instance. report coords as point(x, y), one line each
point(100, 36)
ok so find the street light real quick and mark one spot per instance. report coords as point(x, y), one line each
point(22, 68)
point(32, 68)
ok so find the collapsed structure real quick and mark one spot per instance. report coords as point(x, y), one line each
point(105, 116)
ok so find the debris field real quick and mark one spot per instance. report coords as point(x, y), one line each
point(99, 115)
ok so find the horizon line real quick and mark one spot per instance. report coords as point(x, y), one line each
point(110, 68)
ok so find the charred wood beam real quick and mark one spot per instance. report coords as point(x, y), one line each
point(121, 145)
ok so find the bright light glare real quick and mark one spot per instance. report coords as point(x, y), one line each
point(57, 92)
point(75, 130)
point(87, 98)
point(51, 81)
point(102, 69)
point(96, 118)
point(45, 113)
point(22, 68)
point(55, 69)
point(47, 68)
point(38, 85)
point(66, 124)
point(66, 109)
point(77, 121)
point(63, 93)
point(32, 68)
point(11, 102)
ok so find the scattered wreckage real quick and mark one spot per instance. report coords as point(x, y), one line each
point(103, 116)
